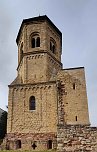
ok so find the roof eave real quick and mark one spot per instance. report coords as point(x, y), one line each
point(39, 18)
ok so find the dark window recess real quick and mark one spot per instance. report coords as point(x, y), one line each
point(38, 42)
point(74, 135)
point(52, 46)
point(34, 145)
point(53, 50)
point(18, 144)
point(76, 118)
point(32, 103)
point(49, 144)
point(33, 42)
point(73, 86)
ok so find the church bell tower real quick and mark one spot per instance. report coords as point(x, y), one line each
point(32, 112)
point(43, 96)
point(39, 50)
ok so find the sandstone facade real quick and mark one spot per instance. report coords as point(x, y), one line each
point(58, 96)
point(77, 138)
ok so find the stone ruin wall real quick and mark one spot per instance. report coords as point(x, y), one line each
point(76, 138)
point(27, 121)
point(28, 139)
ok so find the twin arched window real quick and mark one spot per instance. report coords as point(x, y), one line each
point(35, 41)
point(32, 103)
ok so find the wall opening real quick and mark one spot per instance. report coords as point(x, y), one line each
point(52, 46)
point(32, 103)
point(38, 42)
point(18, 144)
point(49, 144)
point(76, 118)
point(35, 41)
point(74, 87)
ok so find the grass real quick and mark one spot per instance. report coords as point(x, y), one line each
point(26, 151)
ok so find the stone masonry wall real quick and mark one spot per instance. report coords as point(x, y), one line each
point(42, 119)
point(76, 138)
point(74, 99)
point(33, 73)
point(51, 33)
point(34, 66)
point(27, 139)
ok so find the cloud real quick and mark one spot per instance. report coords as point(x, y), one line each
point(6, 44)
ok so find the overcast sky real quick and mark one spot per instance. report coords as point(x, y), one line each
point(77, 20)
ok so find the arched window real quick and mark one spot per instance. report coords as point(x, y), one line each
point(53, 49)
point(35, 41)
point(38, 42)
point(52, 46)
point(32, 103)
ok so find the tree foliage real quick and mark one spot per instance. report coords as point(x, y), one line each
point(3, 124)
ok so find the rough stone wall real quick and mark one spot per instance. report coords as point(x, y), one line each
point(21, 41)
point(77, 138)
point(42, 119)
point(35, 74)
point(32, 28)
point(27, 140)
point(74, 99)
point(21, 72)
point(53, 67)
point(25, 37)
point(51, 33)
point(38, 67)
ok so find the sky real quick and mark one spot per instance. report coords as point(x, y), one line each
point(76, 19)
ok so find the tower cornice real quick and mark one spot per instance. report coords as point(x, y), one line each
point(38, 52)
point(33, 84)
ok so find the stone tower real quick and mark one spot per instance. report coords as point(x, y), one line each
point(43, 95)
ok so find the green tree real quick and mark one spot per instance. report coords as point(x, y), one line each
point(3, 124)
